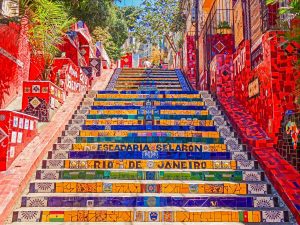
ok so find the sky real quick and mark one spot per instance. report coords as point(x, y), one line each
point(129, 2)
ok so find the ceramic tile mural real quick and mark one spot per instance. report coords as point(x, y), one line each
point(147, 143)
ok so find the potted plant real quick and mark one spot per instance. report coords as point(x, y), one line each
point(223, 26)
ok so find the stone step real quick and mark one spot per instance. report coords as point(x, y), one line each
point(150, 223)
point(153, 215)
point(150, 164)
point(161, 128)
point(237, 202)
point(156, 187)
point(166, 147)
point(152, 112)
point(156, 104)
point(152, 99)
point(84, 114)
point(162, 83)
point(146, 77)
point(145, 139)
point(238, 156)
point(129, 121)
point(180, 175)
point(134, 78)
point(189, 109)
point(120, 132)
point(145, 94)
point(144, 87)
point(149, 88)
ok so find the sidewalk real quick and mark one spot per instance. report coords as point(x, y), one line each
point(14, 180)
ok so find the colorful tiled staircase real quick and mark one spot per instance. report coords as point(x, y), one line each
point(150, 149)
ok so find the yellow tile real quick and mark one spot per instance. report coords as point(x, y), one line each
point(83, 216)
point(234, 217)
point(112, 216)
point(99, 187)
point(211, 216)
point(59, 187)
point(217, 217)
point(182, 216)
point(204, 216)
point(124, 216)
point(184, 188)
point(243, 189)
point(226, 217)
point(201, 188)
point(101, 216)
point(256, 217)
point(70, 187)
point(45, 216)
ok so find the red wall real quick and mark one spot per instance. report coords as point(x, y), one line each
point(191, 60)
point(20, 130)
point(126, 61)
point(277, 79)
point(14, 49)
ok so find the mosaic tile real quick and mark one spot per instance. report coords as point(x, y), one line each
point(124, 133)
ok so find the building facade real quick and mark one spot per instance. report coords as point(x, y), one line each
point(244, 55)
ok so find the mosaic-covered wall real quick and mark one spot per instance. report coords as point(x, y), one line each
point(288, 139)
point(14, 60)
point(191, 59)
point(263, 81)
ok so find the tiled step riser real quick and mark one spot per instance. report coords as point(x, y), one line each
point(84, 114)
point(147, 113)
point(151, 164)
point(142, 122)
point(191, 188)
point(140, 104)
point(234, 145)
point(234, 176)
point(122, 133)
point(153, 216)
point(141, 139)
point(141, 147)
point(131, 84)
point(148, 155)
point(144, 131)
point(233, 202)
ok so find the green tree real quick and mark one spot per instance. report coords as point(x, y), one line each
point(131, 14)
point(48, 22)
point(93, 12)
point(157, 19)
point(103, 35)
point(292, 12)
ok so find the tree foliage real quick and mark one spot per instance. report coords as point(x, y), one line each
point(103, 35)
point(93, 12)
point(292, 12)
point(131, 14)
point(157, 19)
point(48, 21)
point(156, 55)
point(107, 22)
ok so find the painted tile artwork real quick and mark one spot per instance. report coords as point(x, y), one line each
point(170, 147)
point(150, 112)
